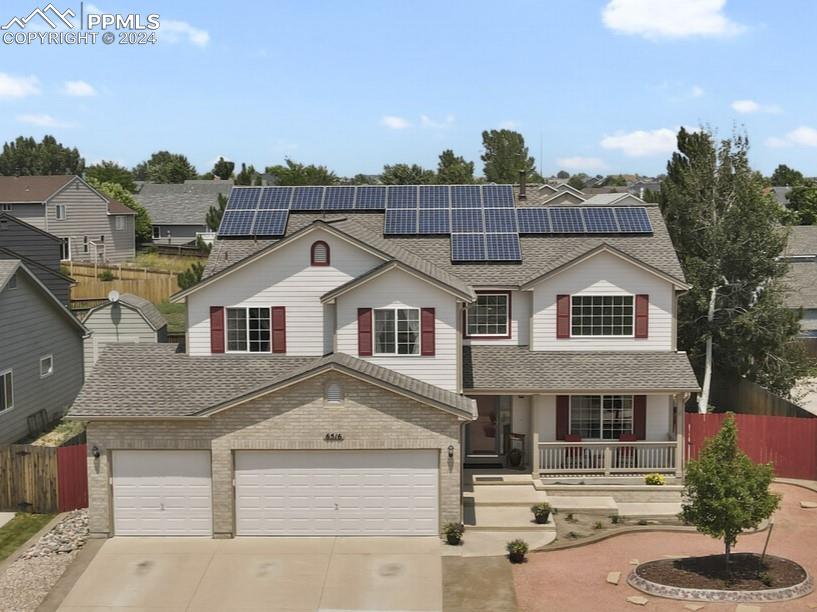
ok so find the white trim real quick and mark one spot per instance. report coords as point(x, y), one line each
point(50, 371)
point(246, 310)
point(601, 397)
point(592, 295)
point(157, 232)
point(475, 303)
point(396, 352)
point(119, 220)
point(57, 208)
point(10, 372)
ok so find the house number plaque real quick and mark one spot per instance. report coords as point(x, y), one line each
point(333, 437)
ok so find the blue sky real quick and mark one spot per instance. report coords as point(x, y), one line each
point(594, 86)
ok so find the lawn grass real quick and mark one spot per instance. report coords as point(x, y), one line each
point(170, 263)
point(174, 313)
point(18, 530)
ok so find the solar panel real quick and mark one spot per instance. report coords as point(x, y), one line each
point(243, 198)
point(533, 220)
point(339, 198)
point(307, 198)
point(400, 221)
point(434, 221)
point(497, 196)
point(566, 220)
point(502, 247)
point(236, 223)
point(402, 196)
point(467, 247)
point(370, 197)
point(599, 220)
point(275, 198)
point(270, 222)
point(466, 220)
point(465, 196)
point(434, 196)
point(633, 219)
point(500, 220)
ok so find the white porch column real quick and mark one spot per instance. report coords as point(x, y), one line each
point(680, 434)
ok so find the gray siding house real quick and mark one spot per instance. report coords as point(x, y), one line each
point(91, 226)
point(38, 250)
point(41, 361)
point(123, 319)
point(801, 280)
point(178, 211)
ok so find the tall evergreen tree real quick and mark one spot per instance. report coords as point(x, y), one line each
point(405, 174)
point(223, 168)
point(216, 212)
point(165, 167)
point(726, 231)
point(111, 172)
point(27, 157)
point(454, 170)
point(247, 176)
point(506, 156)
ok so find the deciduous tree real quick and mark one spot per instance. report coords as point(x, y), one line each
point(405, 174)
point(223, 168)
point(802, 205)
point(453, 169)
point(115, 191)
point(165, 167)
point(294, 173)
point(785, 176)
point(506, 156)
point(111, 172)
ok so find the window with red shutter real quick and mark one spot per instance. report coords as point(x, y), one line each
point(216, 329)
point(642, 316)
point(563, 316)
point(427, 331)
point(364, 332)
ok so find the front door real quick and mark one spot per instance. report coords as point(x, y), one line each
point(485, 436)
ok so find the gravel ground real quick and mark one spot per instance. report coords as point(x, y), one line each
point(27, 581)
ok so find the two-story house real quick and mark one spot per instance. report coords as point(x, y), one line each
point(91, 226)
point(351, 350)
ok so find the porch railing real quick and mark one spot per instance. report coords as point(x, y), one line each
point(605, 457)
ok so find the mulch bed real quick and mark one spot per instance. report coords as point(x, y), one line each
point(745, 572)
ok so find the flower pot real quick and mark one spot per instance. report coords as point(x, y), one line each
point(542, 518)
point(453, 539)
point(515, 457)
point(516, 557)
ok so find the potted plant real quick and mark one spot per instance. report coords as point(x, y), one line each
point(517, 549)
point(541, 512)
point(453, 533)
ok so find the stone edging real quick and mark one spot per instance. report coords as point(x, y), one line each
point(716, 595)
point(5, 563)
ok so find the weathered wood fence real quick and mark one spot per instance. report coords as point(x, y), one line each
point(153, 285)
point(43, 479)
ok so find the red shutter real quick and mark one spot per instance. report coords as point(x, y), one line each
point(427, 325)
point(642, 315)
point(563, 316)
point(216, 329)
point(640, 416)
point(364, 332)
point(562, 416)
point(279, 329)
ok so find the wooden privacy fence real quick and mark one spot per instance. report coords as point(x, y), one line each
point(43, 479)
point(790, 443)
point(153, 285)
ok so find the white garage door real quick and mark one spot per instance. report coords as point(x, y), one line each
point(162, 493)
point(336, 492)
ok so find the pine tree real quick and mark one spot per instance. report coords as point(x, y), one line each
point(506, 156)
point(216, 212)
point(454, 170)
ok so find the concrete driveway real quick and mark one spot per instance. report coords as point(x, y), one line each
point(270, 574)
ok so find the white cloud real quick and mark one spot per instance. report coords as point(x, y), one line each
point(12, 87)
point(657, 19)
point(393, 122)
point(428, 122)
point(803, 136)
point(581, 163)
point(750, 106)
point(78, 88)
point(508, 124)
point(697, 91)
point(43, 120)
point(176, 31)
point(641, 143)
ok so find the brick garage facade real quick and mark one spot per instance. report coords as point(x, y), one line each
point(293, 418)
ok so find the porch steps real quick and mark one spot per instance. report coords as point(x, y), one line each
point(601, 505)
point(514, 495)
point(507, 518)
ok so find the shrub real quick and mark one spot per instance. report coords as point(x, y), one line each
point(655, 479)
point(191, 276)
point(615, 518)
point(106, 275)
point(453, 532)
point(598, 525)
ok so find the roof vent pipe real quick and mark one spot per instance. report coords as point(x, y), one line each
point(522, 185)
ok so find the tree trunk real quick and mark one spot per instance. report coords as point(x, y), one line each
point(728, 551)
point(703, 399)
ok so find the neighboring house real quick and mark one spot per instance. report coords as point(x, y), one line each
point(39, 250)
point(781, 195)
point(91, 226)
point(178, 211)
point(41, 357)
point(347, 357)
point(801, 280)
point(123, 319)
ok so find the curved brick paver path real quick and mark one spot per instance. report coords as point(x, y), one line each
point(574, 580)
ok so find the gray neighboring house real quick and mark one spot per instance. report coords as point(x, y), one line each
point(123, 319)
point(801, 280)
point(178, 211)
point(38, 250)
point(781, 195)
point(41, 361)
point(91, 226)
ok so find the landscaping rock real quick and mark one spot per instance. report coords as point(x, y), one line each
point(66, 536)
point(694, 607)
point(638, 600)
point(633, 561)
point(808, 504)
point(613, 577)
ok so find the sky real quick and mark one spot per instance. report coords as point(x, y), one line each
point(594, 86)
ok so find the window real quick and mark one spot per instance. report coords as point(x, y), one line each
point(85, 244)
point(319, 254)
point(65, 249)
point(397, 331)
point(248, 330)
point(7, 207)
point(603, 417)
point(13, 281)
point(46, 366)
point(157, 232)
point(102, 239)
point(119, 223)
point(602, 315)
point(60, 212)
point(6, 390)
point(334, 393)
point(489, 316)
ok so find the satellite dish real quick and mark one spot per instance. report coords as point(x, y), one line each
point(113, 296)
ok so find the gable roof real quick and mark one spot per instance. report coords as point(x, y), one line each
point(10, 254)
point(117, 208)
point(143, 307)
point(181, 203)
point(33, 228)
point(161, 382)
point(31, 189)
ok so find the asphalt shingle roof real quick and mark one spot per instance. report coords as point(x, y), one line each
point(181, 203)
point(518, 368)
point(801, 285)
point(145, 308)
point(20, 189)
point(802, 240)
point(161, 382)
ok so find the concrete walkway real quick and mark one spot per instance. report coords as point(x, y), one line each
point(5, 517)
point(269, 574)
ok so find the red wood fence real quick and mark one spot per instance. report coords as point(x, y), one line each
point(72, 477)
point(789, 443)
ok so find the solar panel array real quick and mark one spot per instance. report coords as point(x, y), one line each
point(482, 220)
